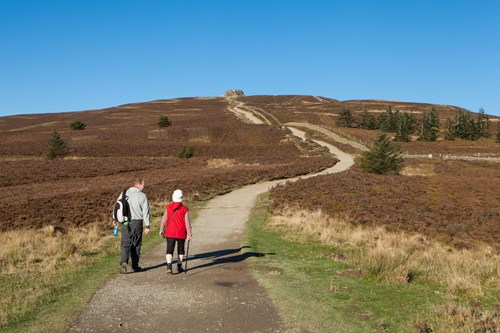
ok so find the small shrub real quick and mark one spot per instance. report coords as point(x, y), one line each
point(57, 147)
point(164, 121)
point(77, 125)
point(186, 152)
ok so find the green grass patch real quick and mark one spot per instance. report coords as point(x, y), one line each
point(318, 294)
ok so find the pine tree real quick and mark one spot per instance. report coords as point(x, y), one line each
point(367, 121)
point(383, 157)
point(386, 120)
point(411, 122)
point(465, 127)
point(483, 124)
point(450, 130)
point(346, 119)
point(57, 147)
point(394, 118)
point(405, 127)
point(429, 127)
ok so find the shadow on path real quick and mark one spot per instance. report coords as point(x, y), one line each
point(214, 258)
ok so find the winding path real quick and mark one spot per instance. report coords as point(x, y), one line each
point(217, 294)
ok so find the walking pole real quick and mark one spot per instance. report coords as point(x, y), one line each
point(187, 255)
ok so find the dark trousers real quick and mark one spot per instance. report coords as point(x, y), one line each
point(131, 242)
point(171, 245)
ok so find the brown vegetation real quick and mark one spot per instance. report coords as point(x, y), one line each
point(451, 200)
point(123, 142)
point(458, 203)
point(397, 256)
point(324, 112)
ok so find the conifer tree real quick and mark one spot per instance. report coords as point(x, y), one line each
point(450, 130)
point(406, 127)
point(367, 121)
point(394, 119)
point(483, 124)
point(465, 127)
point(386, 120)
point(429, 127)
point(346, 119)
point(57, 147)
point(383, 157)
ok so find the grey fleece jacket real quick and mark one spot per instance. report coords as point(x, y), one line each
point(139, 206)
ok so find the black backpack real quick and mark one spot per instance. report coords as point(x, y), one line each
point(121, 212)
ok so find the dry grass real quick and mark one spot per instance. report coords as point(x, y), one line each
point(47, 124)
point(399, 256)
point(158, 134)
point(453, 317)
point(471, 274)
point(35, 263)
point(421, 169)
point(216, 163)
point(49, 249)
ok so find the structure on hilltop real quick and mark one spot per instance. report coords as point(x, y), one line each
point(233, 93)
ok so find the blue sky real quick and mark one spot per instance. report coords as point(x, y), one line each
point(58, 56)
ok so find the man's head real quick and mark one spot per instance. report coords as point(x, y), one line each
point(139, 183)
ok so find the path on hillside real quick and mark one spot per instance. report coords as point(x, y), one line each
point(217, 294)
point(362, 147)
point(330, 134)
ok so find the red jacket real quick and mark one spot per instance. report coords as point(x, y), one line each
point(176, 225)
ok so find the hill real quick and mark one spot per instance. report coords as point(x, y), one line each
point(123, 142)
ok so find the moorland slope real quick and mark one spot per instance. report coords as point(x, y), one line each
point(457, 200)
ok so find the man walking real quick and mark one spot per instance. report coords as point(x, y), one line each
point(132, 230)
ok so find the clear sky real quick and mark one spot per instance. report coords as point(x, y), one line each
point(72, 55)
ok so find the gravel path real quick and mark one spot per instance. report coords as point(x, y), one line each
point(217, 294)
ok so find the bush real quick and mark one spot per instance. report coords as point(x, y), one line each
point(77, 125)
point(186, 152)
point(57, 147)
point(164, 122)
point(383, 157)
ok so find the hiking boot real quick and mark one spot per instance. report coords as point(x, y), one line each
point(123, 268)
point(169, 268)
point(179, 268)
point(137, 269)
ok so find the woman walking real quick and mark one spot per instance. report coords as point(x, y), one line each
point(176, 228)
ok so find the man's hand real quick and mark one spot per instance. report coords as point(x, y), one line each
point(146, 230)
